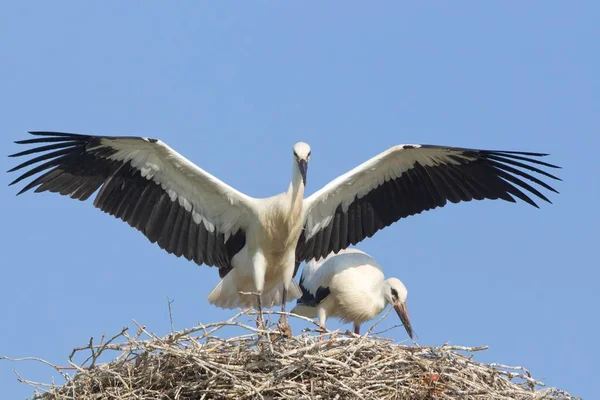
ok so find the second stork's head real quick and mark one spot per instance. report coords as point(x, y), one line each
point(301, 157)
point(395, 293)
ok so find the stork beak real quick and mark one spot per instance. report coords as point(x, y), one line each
point(303, 165)
point(403, 314)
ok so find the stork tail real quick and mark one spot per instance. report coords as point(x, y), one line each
point(226, 295)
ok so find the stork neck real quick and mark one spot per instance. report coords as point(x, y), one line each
point(296, 189)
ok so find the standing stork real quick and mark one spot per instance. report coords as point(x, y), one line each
point(350, 286)
point(258, 244)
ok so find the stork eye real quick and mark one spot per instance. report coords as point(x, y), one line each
point(394, 293)
point(295, 154)
point(309, 154)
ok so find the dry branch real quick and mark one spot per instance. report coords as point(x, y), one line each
point(260, 364)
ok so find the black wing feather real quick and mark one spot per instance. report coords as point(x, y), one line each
point(310, 300)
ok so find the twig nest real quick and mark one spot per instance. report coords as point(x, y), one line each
point(199, 364)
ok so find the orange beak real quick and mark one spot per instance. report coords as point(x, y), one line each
point(403, 314)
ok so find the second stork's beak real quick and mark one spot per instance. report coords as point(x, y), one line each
point(303, 166)
point(403, 314)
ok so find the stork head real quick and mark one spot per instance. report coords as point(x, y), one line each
point(301, 157)
point(395, 293)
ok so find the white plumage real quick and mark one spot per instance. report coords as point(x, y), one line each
point(350, 286)
point(258, 243)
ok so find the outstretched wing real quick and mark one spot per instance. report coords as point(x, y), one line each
point(144, 182)
point(407, 180)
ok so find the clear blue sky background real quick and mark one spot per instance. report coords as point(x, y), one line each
point(233, 86)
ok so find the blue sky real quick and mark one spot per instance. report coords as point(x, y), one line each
point(233, 86)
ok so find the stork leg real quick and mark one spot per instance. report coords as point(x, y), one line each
point(357, 328)
point(288, 273)
point(322, 333)
point(259, 269)
point(260, 323)
point(284, 326)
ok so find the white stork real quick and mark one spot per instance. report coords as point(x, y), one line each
point(350, 286)
point(258, 244)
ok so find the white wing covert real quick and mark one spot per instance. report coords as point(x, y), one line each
point(317, 275)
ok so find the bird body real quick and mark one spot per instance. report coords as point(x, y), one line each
point(258, 243)
point(349, 286)
point(268, 257)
